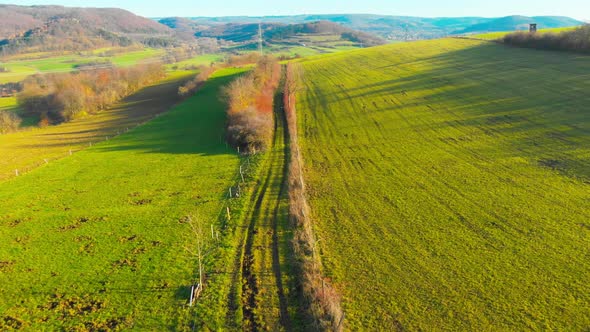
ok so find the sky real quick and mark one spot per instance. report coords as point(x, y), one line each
point(579, 9)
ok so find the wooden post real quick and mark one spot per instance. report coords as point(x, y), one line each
point(339, 328)
point(212, 235)
point(192, 297)
point(242, 174)
point(230, 194)
point(238, 150)
point(228, 214)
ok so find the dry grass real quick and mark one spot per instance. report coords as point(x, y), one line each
point(323, 301)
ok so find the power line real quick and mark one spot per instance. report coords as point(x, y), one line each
point(260, 38)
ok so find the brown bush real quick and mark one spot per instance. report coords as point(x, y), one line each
point(61, 97)
point(9, 122)
point(195, 84)
point(250, 106)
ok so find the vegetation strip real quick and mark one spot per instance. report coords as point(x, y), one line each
point(321, 298)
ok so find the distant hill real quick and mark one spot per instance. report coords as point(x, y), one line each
point(398, 27)
point(324, 28)
point(510, 23)
point(52, 28)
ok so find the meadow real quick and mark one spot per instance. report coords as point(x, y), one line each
point(97, 240)
point(449, 183)
point(19, 69)
point(31, 147)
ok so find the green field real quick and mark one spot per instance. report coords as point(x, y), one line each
point(97, 240)
point(449, 182)
point(8, 104)
point(20, 69)
point(29, 148)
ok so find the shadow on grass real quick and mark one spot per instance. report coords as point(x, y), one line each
point(196, 126)
point(532, 102)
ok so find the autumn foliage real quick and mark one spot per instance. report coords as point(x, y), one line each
point(250, 106)
point(193, 85)
point(62, 97)
point(8, 122)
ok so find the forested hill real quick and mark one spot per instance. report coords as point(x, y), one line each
point(403, 27)
point(54, 28)
point(278, 32)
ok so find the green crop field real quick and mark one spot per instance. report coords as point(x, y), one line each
point(8, 104)
point(96, 241)
point(19, 69)
point(449, 182)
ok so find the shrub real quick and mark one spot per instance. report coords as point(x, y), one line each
point(577, 40)
point(61, 97)
point(250, 106)
point(9, 122)
point(193, 85)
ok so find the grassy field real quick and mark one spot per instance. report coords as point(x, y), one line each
point(200, 60)
point(450, 184)
point(20, 69)
point(96, 241)
point(8, 104)
point(500, 35)
point(27, 149)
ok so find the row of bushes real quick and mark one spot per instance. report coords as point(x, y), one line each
point(322, 300)
point(250, 106)
point(193, 85)
point(577, 40)
point(62, 97)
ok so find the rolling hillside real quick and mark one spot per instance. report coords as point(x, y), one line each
point(449, 183)
point(55, 28)
point(398, 27)
point(97, 241)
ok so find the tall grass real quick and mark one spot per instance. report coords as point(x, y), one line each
point(322, 300)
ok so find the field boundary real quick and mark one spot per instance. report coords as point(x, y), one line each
point(321, 299)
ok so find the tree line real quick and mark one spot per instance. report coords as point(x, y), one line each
point(577, 40)
point(250, 100)
point(56, 98)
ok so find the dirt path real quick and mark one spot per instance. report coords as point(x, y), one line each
point(267, 302)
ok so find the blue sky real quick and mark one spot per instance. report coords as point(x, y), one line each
point(579, 9)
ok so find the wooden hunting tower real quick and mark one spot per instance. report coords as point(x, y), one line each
point(533, 27)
